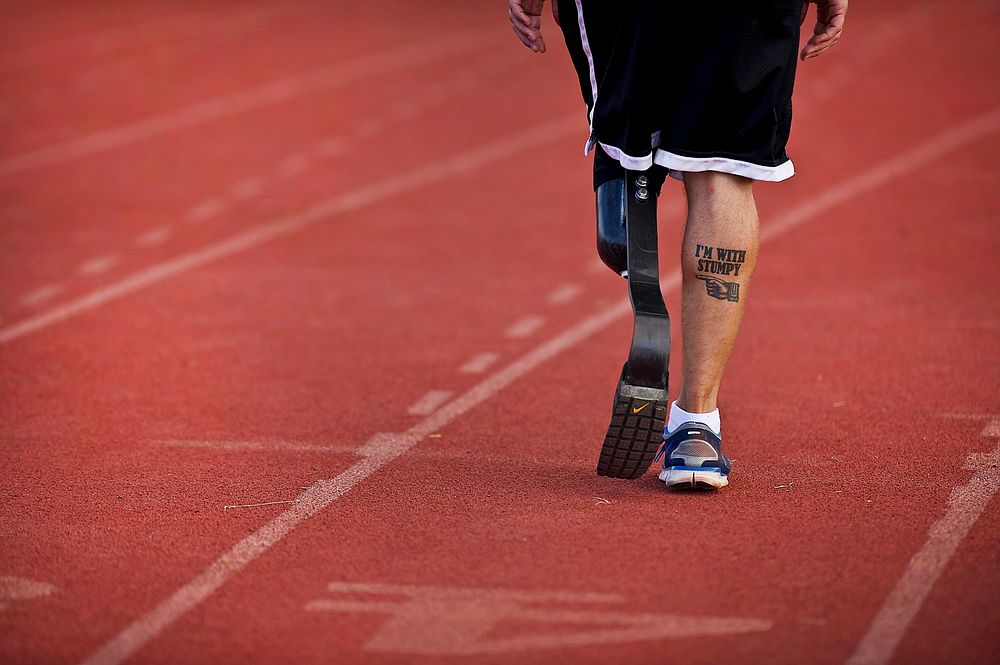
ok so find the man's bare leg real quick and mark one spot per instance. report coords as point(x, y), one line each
point(718, 258)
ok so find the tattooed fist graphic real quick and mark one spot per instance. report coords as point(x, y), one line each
point(721, 289)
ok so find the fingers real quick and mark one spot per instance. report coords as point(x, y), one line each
point(828, 29)
point(819, 44)
point(526, 27)
point(522, 31)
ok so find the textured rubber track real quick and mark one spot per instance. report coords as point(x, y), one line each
point(633, 436)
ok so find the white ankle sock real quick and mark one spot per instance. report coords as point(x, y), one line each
point(679, 416)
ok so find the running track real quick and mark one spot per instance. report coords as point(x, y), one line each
point(304, 355)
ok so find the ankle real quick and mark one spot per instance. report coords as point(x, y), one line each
point(679, 416)
point(704, 403)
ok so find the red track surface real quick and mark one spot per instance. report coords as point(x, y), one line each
point(178, 336)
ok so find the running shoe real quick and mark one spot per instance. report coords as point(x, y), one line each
point(692, 458)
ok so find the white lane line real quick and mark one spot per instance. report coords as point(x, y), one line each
point(479, 363)
point(247, 188)
point(98, 264)
point(965, 505)
point(428, 452)
point(385, 448)
point(379, 451)
point(889, 169)
point(525, 327)
point(19, 589)
point(153, 237)
point(256, 445)
point(968, 416)
point(359, 198)
point(41, 294)
point(292, 166)
point(564, 294)
point(429, 403)
point(205, 210)
point(269, 94)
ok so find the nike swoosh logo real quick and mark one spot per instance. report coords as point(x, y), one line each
point(635, 410)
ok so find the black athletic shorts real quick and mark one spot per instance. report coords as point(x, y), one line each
point(691, 85)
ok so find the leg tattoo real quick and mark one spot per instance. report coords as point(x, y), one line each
point(720, 261)
point(721, 289)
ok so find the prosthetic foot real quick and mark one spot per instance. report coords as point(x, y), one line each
point(626, 242)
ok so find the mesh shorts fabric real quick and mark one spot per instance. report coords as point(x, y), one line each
point(691, 86)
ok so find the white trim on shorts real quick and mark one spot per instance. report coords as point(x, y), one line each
point(590, 61)
point(679, 164)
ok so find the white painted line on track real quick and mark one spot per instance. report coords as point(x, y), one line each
point(257, 445)
point(525, 327)
point(153, 237)
point(41, 294)
point(965, 505)
point(448, 622)
point(18, 589)
point(270, 94)
point(430, 172)
point(292, 166)
point(376, 443)
point(205, 211)
point(564, 294)
point(324, 492)
point(98, 265)
point(247, 188)
point(479, 363)
point(887, 170)
point(968, 416)
point(429, 403)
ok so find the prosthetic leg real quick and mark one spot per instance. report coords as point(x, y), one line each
point(626, 242)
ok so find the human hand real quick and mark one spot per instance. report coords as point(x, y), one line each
point(830, 15)
point(526, 20)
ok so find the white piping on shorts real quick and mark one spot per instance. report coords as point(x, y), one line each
point(678, 164)
point(590, 62)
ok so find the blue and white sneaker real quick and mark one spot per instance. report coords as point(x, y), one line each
point(692, 458)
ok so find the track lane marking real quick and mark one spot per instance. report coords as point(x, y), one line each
point(525, 327)
point(564, 294)
point(206, 210)
point(297, 163)
point(965, 505)
point(383, 449)
point(292, 166)
point(357, 199)
point(269, 94)
point(429, 403)
point(153, 237)
point(98, 264)
point(476, 457)
point(479, 363)
point(246, 188)
point(41, 294)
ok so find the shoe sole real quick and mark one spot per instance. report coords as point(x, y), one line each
point(681, 477)
point(633, 438)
